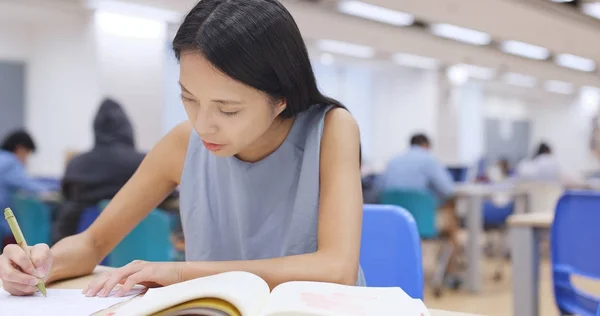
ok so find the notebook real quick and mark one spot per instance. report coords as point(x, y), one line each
point(245, 294)
point(58, 302)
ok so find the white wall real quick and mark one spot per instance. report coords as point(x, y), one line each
point(405, 101)
point(132, 71)
point(71, 65)
point(567, 128)
point(15, 41)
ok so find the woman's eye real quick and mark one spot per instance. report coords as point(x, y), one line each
point(229, 113)
point(186, 99)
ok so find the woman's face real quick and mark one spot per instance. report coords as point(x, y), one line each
point(227, 115)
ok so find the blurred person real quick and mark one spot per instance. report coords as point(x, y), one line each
point(542, 166)
point(100, 173)
point(268, 168)
point(418, 169)
point(14, 153)
point(500, 171)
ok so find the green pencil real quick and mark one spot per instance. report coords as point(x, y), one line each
point(18, 234)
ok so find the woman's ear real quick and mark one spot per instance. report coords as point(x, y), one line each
point(279, 106)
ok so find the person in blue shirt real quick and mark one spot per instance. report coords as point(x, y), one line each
point(417, 169)
point(14, 152)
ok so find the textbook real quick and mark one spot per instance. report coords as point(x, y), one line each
point(245, 294)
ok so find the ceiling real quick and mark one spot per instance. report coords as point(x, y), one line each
point(539, 22)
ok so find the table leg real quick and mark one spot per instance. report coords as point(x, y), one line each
point(475, 228)
point(525, 270)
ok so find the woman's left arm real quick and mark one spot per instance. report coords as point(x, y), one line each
point(339, 232)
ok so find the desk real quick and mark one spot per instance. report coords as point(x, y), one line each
point(471, 196)
point(525, 232)
point(79, 283)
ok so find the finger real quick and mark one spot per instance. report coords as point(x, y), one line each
point(18, 257)
point(96, 285)
point(114, 277)
point(9, 274)
point(20, 289)
point(136, 278)
point(40, 256)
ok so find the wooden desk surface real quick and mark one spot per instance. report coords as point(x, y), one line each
point(79, 283)
point(483, 190)
point(536, 220)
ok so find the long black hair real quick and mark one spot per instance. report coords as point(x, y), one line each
point(256, 42)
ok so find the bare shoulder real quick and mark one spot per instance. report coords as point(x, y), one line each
point(180, 134)
point(340, 123)
point(169, 153)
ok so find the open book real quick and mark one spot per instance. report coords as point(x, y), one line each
point(245, 294)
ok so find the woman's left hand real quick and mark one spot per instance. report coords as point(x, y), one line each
point(148, 274)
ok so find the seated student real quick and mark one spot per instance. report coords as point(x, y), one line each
point(100, 173)
point(417, 169)
point(267, 166)
point(14, 152)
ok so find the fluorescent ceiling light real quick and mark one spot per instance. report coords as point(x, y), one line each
point(478, 72)
point(344, 48)
point(457, 74)
point(326, 59)
point(575, 62)
point(520, 80)
point(375, 13)
point(590, 98)
point(461, 34)
point(416, 61)
point(525, 50)
point(558, 86)
point(592, 9)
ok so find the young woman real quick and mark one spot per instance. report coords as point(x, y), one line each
point(268, 167)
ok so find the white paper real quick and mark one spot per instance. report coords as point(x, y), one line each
point(59, 302)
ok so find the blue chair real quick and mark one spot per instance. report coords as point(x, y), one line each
point(35, 218)
point(421, 205)
point(494, 221)
point(149, 240)
point(598, 313)
point(459, 174)
point(574, 250)
point(390, 252)
point(88, 216)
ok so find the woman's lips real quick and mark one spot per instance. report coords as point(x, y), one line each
point(212, 146)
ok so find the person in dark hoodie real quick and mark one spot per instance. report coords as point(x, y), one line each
point(100, 173)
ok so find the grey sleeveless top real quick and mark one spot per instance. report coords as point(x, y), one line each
point(234, 210)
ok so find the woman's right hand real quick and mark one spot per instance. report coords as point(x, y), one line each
point(18, 274)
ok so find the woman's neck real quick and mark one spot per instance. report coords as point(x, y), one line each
point(268, 142)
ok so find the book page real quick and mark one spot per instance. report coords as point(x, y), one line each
point(58, 302)
point(327, 299)
point(246, 291)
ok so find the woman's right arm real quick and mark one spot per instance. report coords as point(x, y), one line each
point(157, 176)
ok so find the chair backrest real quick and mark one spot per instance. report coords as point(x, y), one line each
point(574, 250)
point(88, 216)
point(149, 240)
point(34, 217)
point(390, 252)
point(543, 196)
point(459, 174)
point(421, 205)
